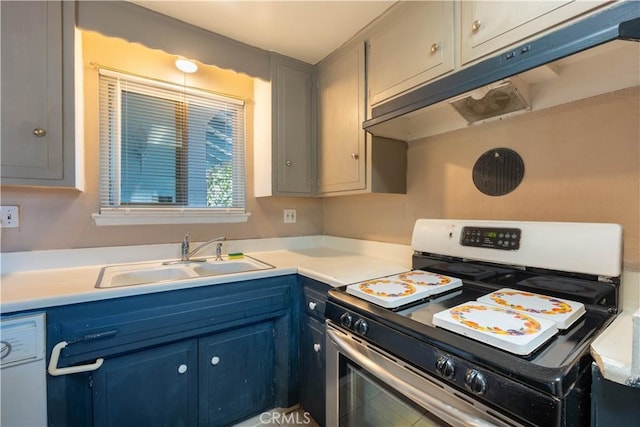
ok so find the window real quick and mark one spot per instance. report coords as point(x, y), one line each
point(169, 153)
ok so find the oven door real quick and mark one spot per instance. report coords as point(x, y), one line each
point(368, 386)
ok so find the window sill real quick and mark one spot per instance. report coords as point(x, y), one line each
point(152, 217)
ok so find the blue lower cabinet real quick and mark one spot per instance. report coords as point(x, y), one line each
point(157, 387)
point(613, 404)
point(194, 357)
point(312, 381)
point(212, 381)
point(236, 374)
point(312, 353)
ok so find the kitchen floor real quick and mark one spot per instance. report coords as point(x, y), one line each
point(288, 417)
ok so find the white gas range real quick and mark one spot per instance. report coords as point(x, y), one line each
point(499, 315)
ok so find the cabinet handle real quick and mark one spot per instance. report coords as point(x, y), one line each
point(215, 360)
point(39, 132)
point(475, 26)
point(312, 305)
point(435, 47)
point(355, 156)
point(288, 163)
point(316, 347)
point(182, 369)
point(53, 363)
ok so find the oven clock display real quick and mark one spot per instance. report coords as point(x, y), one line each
point(507, 239)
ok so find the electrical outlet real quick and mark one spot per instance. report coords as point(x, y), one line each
point(9, 217)
point(289, 216)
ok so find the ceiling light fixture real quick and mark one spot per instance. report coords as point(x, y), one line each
point(186, 66)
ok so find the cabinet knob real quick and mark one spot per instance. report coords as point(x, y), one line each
point(39, 132)
point(435, 47)
point(288, 163)
point(182, 369)
point(355, 156)
point(312, 305)
point(316, 347)
point(215, 360)
point(475, 26)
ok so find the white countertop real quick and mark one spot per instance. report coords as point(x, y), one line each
point(616, 350)
point(40, 279)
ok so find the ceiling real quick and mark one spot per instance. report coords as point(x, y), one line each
point(307, 30)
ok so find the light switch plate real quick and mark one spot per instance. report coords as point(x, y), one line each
point(9, 217)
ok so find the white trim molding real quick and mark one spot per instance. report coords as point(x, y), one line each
point(152, 216)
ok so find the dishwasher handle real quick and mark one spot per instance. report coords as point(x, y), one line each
point(55, 356)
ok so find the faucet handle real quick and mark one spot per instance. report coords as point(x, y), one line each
point(186, 238)
point(219, 251)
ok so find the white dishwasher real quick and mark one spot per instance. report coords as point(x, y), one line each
point(22, 371)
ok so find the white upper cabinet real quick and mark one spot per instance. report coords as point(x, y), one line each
point(489, 26)
point(38, 115)
point(409, 46)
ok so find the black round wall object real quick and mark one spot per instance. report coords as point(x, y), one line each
point(498, 171)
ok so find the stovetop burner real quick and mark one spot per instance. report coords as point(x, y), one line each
point(571, 288)
point(462, 270)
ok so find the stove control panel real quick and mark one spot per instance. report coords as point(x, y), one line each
point(507, 239)
point(475, 382)
point(359, 326)
point(445, 366)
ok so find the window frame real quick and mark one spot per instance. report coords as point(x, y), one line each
point(139, 214)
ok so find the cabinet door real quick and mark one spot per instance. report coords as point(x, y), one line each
point(488, 26)
point(38, 117)
point(236, 374)
point(312, 371)
point(156, 387)
point(413, 45)
point(31, 89)
point(294, 157)
point(341, 139)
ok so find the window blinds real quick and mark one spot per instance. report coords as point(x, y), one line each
point(164, 146)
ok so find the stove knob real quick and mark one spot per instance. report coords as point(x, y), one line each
point(346, 320)
point(361, 327)
point(445, 367)
point(475, 382)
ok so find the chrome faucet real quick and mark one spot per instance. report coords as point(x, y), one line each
point(186, 254)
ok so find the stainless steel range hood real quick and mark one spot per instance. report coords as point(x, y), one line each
point(596, 55)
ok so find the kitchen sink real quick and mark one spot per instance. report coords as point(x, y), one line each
point(114, 276)
point(214, 268)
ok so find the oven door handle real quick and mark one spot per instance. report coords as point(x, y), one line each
point(442, 410)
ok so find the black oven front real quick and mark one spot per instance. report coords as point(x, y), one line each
point(369, 386)
point(492, 387)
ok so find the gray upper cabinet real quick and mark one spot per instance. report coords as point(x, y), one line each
point(341, 109)
point(291, 149)
point(349, 161)
point(488, 26)
point(412, 44)
point(38, 117)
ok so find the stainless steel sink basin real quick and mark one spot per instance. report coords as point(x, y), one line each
point(114, 276)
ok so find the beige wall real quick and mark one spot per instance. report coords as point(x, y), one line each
point(582, 163)
point(54, 218)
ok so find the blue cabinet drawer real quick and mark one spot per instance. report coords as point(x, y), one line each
point(314, 303)
point(111, 327)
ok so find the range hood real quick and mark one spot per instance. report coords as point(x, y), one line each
point(493, 101)
point(596, 55)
